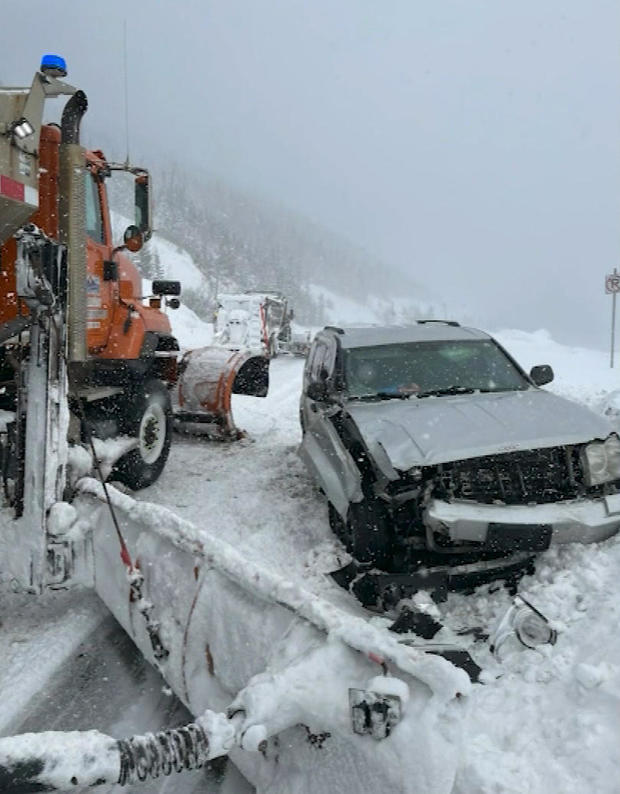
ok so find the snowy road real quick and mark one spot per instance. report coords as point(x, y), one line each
point(52, 680)
point(255, 493)
point(109, 684)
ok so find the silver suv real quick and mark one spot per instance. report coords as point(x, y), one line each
point(431, 439)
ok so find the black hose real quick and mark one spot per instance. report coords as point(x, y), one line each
point(28, 766)
point(152, 755)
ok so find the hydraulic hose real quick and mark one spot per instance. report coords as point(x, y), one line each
point(56, 761)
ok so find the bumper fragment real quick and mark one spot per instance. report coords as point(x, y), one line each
point(582, 521)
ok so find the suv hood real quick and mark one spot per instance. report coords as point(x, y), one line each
point(429, 430)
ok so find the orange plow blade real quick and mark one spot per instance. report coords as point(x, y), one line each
point(209, 378)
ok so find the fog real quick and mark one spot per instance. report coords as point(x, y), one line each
point(473, 144)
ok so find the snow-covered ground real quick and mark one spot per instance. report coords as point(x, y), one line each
point(542, 721)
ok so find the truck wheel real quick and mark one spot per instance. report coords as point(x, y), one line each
point(147, 416)
point(369, 530)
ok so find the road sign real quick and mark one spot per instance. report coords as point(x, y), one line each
point(612, 283)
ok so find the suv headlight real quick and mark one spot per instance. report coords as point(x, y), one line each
point(602, 461)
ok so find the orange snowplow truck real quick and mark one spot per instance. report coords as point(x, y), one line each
point(121, 352)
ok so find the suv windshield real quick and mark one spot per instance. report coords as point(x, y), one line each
point(426, 368)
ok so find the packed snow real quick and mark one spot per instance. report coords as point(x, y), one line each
point(543, 720)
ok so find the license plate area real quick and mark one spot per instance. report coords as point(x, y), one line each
point(505, 538)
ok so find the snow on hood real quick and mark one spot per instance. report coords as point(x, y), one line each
point(419, 432)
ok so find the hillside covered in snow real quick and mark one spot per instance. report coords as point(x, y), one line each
point(238, 241)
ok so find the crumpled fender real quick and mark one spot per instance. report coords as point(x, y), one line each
point(333, 468)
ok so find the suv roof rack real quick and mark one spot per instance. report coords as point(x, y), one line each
point(334, 328)
point(453, 323)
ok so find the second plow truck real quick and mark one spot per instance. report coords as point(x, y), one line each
point(301, 685)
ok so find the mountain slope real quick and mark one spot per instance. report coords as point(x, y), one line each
point(239, 242)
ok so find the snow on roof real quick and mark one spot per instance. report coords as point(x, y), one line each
point(365, 336)
point(253, 296)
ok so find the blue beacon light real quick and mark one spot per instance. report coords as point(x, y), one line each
point(54, 65)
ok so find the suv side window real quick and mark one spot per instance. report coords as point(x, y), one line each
point(323, 360)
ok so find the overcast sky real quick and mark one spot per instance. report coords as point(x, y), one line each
point(472, 143)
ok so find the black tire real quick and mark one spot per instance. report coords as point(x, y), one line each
point(369, 529)
point(147, 414)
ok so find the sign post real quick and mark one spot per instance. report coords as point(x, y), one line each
point(612, 286)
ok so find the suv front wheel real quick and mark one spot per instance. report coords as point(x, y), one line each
point(369, 532)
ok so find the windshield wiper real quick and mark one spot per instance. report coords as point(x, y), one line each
point(449, 390)
point(393, 395)
point(382, 395)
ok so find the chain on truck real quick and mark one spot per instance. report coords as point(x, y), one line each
point(81, 352)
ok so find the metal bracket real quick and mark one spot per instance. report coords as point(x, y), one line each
point(374, 713)
point(60, 563)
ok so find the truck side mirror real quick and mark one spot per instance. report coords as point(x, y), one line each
point(161, 287)
point(142, 202)
point(133, 239)
point(541, 374)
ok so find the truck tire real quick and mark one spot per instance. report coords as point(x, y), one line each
point(147, 416)
point(369, 529)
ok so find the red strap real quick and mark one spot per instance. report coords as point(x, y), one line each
point(125, 557)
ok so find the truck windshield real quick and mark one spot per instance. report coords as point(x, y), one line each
point(419, 369)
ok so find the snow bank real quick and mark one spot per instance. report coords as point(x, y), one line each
point(550, 720)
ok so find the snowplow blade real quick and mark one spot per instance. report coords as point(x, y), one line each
point(356, 706)
point(209, 378)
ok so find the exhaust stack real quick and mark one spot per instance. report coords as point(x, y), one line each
point(72, 222)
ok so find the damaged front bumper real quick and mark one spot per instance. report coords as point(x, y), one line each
point(577, 521)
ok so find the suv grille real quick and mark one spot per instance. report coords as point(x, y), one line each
point(532, 476)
